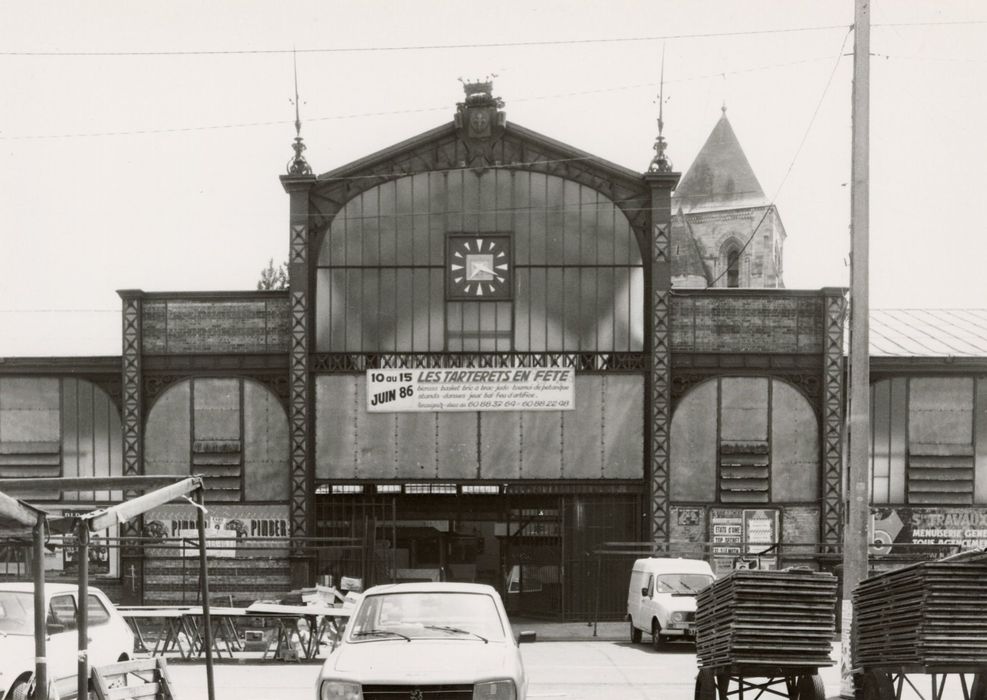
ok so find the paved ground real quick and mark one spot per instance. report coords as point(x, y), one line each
point(557, 670)
point(563, 670)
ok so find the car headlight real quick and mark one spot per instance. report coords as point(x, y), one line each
point(678, 617)
point(340, 690)
point(495, 690)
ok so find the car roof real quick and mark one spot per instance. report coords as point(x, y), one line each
point(432, 587)
point(669, 565)
point(25, 587)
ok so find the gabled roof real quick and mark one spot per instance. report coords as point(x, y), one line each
point(928, 332)
point(720, 177)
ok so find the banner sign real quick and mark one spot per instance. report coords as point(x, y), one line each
point(952, 529)
point(231, 530)
point(512, 389)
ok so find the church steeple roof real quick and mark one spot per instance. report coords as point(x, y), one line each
point(720, 177)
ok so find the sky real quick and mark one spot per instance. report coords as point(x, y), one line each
point(141, 143)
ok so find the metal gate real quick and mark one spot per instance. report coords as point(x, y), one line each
point(355, 538)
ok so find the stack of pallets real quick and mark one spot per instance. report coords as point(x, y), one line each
point(931, 614)
point(767, 618)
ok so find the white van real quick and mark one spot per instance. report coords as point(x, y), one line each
point(661, 598)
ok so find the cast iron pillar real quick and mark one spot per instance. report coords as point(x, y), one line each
point(132, 423)
point(297, 185)
point(661, 181)
point(831, 515)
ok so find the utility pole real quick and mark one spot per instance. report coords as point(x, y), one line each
point(858, 486)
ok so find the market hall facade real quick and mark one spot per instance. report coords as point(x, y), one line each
point(499, 359)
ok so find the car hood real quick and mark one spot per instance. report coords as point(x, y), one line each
point(433, 660)
point(16, 655)
point(677, 603)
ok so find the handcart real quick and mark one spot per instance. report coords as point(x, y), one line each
point(891, 681)
point(765, 633)
point(924, 623)
point(754, 681)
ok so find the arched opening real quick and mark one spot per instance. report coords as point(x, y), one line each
point(733, 268)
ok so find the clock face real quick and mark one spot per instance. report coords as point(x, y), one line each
point(478, 266)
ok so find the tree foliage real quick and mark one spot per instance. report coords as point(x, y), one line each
point(273, 277)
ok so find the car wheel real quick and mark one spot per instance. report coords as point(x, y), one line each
point(657, 641)
point(20, 690)
point(635, 634)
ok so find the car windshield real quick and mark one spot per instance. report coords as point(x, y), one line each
point(682, 583)
point(431, 615)
point(16, 613)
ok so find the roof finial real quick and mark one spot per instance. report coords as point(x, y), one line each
point(660, 163)
point(298, 165)
point(723, 107)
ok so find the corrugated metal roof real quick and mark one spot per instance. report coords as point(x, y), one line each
point(928, 332)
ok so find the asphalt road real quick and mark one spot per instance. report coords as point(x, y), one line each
point(556, 670)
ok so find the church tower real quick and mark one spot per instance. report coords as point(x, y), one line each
point(726, 233)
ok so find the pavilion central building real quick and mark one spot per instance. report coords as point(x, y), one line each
point(499, 359)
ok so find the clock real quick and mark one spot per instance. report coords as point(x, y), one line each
point(479, 266)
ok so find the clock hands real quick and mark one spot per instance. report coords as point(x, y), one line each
point(483, 267)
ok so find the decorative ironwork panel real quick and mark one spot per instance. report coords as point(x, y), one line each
point(131, 365)
point(298, 416)
point(832, 422)
point(660, 409)
point(298, 243)
point(583, 362)
point(132, 424)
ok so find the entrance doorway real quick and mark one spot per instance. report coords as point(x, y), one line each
point(537, 550)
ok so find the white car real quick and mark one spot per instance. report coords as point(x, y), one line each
point(413, 640)
point(110, 637)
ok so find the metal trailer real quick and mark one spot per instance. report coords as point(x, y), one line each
point(888, 682)
point(753, 681)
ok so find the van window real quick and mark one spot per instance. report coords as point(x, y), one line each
point(651, 585)
point(683, 583)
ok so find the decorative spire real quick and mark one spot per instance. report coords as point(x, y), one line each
point(660, 163)
point(298, 165)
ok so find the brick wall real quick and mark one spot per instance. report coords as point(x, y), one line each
point(769, 322)
point(247, 323)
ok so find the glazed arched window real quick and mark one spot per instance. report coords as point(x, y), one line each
point(577, 283)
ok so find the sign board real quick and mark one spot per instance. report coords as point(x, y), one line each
point(220, 544)
point(511, 389)
point(251, 525)
point(950, 529)
point(740, 536)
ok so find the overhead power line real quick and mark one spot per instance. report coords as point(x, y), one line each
point(363, 115)
point(798, 151)
point(433, 47)
point(488, 45)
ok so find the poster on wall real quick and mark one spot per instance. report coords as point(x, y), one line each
point(61, 554)
point(512, 389)
point(927, 532)
point(741, 537)
point(231, 530)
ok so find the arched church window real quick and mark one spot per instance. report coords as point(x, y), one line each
point(733, 268)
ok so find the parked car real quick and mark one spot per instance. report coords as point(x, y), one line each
point(661, 598)
point(110, 637)
point(414, 639)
